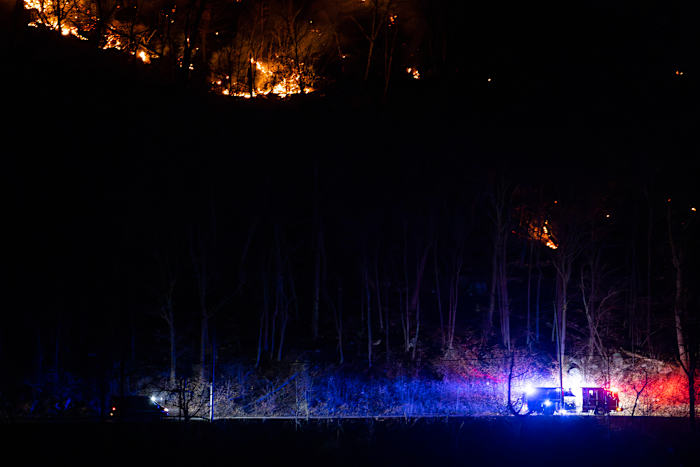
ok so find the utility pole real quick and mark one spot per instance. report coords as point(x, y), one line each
point(211, 382)
point(560, 358)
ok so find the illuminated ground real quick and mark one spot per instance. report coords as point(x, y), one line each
point(458, 441)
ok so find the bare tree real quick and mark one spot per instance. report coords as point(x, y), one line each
point(295, 27)
point(500, 212)
point(598, 300)
point(378, 15)
point(649, 232)
point(337, 311)
point(282, 299)
point(211, 298)
point(168, 276)
point(453, 300)
point(264, 327)
point(368, 307)
point(563, 263)
point(438, 295)
point(638, 392)
point(390, 36)
point(317, 244)
point(200, 257)
point(410, 318)
point(515, 407)
point(190, 397)
point(685, 325)
point(191, 38)
point(104, 13)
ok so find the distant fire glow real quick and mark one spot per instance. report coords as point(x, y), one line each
point(415, 74)
point(543, 234)
point(269, 78)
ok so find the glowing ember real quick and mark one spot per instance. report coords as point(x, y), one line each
point(547, 238)
point(413, 72)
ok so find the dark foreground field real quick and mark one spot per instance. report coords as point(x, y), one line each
point(458, 441)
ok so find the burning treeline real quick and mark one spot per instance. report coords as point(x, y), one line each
point(248, 48)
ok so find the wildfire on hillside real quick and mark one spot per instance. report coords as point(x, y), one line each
point(535, 227)
point(79, 21)
point(268, 78)
point(46, 13)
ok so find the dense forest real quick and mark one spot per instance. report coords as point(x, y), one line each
point(162, 235)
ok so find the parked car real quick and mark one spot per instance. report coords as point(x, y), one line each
point(137, 408)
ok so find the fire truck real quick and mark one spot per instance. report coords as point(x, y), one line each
point(600, 400)
point(554, 400)
point(548, 401)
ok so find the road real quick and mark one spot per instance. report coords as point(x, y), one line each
point(565, 441)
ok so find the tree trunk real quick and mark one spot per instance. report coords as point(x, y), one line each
point(492, 291)
point(389, 48)
point(263, 330)
point(369, 318)
point(377, 287)
point(369, 60)
point(439, 297)
point(691, 392)
point(203, 343)
point(563, 261)
point(173, 354)
point(537, 300)
point(340, 324)
point(57, 350)
point(58, 8)
point(406, 317)
point(317, 260)
point(453, 302)
point(648, 279)
point(415, 338)
point(283, 330)
point(678, 303)
point(317, 288)
point(504, 305)
point(387, 323)
point(528, 338)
